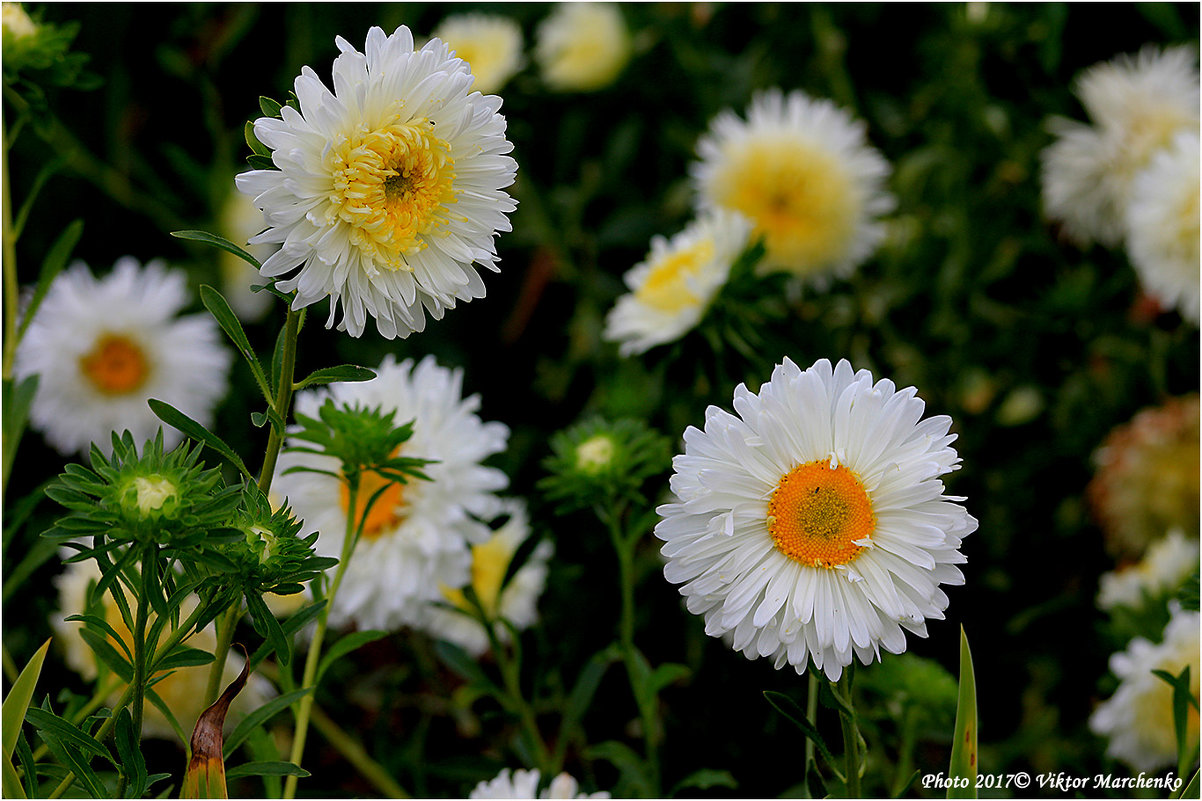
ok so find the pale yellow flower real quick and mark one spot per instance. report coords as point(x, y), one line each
point(582, 47)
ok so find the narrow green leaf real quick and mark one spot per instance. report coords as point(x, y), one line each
point(266, 769)
point(260, 162)
point(217, 305)
point(74, 761)
point(11, 783)
point(252, 141)
point(461, 662)
point(1189, 789)
point(259, 717)
point(133, 765)
point(628, 763)
point(107, 654)
point(174, 417)
point(16, 417)
point(41, 551)
point(28, 768)
point(44, 174)
point(265, 623)
point(219, 242)
point(665, 674)
point(13, 711)
point(52, 265)
point(789, 708)
point(104, 626)
point(51, 724)
point(587, 683)
point(344, 646)
point(704, 779)
point(183, 656)
point(328, 375)
point(269, 107)
point(292, 625)
point(964, 743)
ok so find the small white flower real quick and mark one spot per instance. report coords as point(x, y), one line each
point(582, 47)
point(1138, 718)
point(417, 536)
point(1137, 104)
point(524, 784)
point(802, 171)
point(489, 43)
point(103, 347)
point(1162, 225)
point(16, 22)
point(389, 190)
point(1168, 562)
point(672, 288)
point(814, 526)
point(517, 602)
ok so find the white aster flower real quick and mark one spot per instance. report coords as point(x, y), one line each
point(183, 690)
point(16, 22)
point(524, 784)
point(1138, 718)
point(1136, 105)
point(417, 534)
point(1162, 225)
point(1168, 562)
point(517, 602)
point(388, 191)
point(489, 43)
point(582, 47)
point(813, 525)
point(240, 221)
point(103, 347)
point(671, 289)
point(802, 171)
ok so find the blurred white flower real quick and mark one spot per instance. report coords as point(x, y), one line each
point(389, 191)
point(802, 171)
point(524, 784)
point(103, 347)
point(16, 23)
point(1168, 562)
point(517, 602)
point(671, 289)
point(183, 690)
point(814, 526)
point(241, 220)
point(582, 47)
point(417, 535)
point(1162, 225)
point(1136, 104)
point(1138, 718)
point(489, 43)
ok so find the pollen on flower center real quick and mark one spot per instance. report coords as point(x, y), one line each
point(666, 287)
point(393, 186)
point(116, 365)
point(386, 513)
point(817, 514)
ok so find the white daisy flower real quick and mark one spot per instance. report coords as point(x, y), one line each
point(582, 47)
point(1136, 104)
point(671, 289)
point(16, 22)
point(1138, 718)
point(389, 190)
point(1162, 225)
point(517, 602)
point(802, 171)
point(813, 525)
point(182, 690)
point(103, 347)
point(1168, 562)
point(489, 43)
point(416, 537)
point(524, 784)
point(240, 220)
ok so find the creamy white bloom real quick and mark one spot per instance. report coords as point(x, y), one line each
point(582, 47)
point(103, 347)
point(813, 526)
point(489, 43)
point(1168, 562)
point(524, 784)
point(671, 289)
point(182, 691)
point(389, 190)
point(417, 536)
point(1162, 225)
point(516, 602)
point(16, 22)
point(1138, 718)
point(802, 171)
point(1136, 104)
point(241, 220)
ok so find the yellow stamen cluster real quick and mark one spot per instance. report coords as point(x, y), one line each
point(386, 513)
point(818, 512)
point(666, 287)
point(116, 365)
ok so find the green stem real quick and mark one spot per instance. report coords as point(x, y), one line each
point(283, 401)
point(511, 675)
point(851, 737)
point(354, 753)
point(226, 623)
point(149, 567)
point(10, 667)
point(905, 759)
point(812, 718)
point(10, 279)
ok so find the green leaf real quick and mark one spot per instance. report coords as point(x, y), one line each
point(174, 417)
point(161, 705)
point(52, 265)
point(259, 717)
point(260, 162)
point(41, 551)
point(629, 764)
point(16, 703)
point(1189, 789)
point(587, 683)
point(51, 724)
point(16, 416)
point(269, 107)
point(252, 141)
point(11, 782)
point(964, 743)
point(80, 767)
point(344, 646)
point(266, 769)
point(461, 662)
point(789, 708)
point(292, 625)
point(268, 627)
point(219, 242)
point(217, 305)
point(704, 779)
point(25, 756)
point(183, 656)
point(328, 375)
point(133, 765)
point(665, 674)
point(104, 626)
point(107, 654)
point(1183, 699)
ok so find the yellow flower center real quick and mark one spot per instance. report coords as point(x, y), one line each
point(667, 288)
point(386, 513)
point(490, 561)
point(817, 513)
point(595, 453)
point(153, 492)
point(116, 365)
point(798, 197)
point(393, 186)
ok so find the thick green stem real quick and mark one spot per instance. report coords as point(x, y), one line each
point(851, 737)
point(283, 399)
point(150, 555)
point(812, 718)
point(226, 623)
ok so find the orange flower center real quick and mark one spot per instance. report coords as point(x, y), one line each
point(386, 513)
point(817, 514)
point(116, 366)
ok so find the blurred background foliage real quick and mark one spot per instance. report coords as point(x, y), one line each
point(1036, 348)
